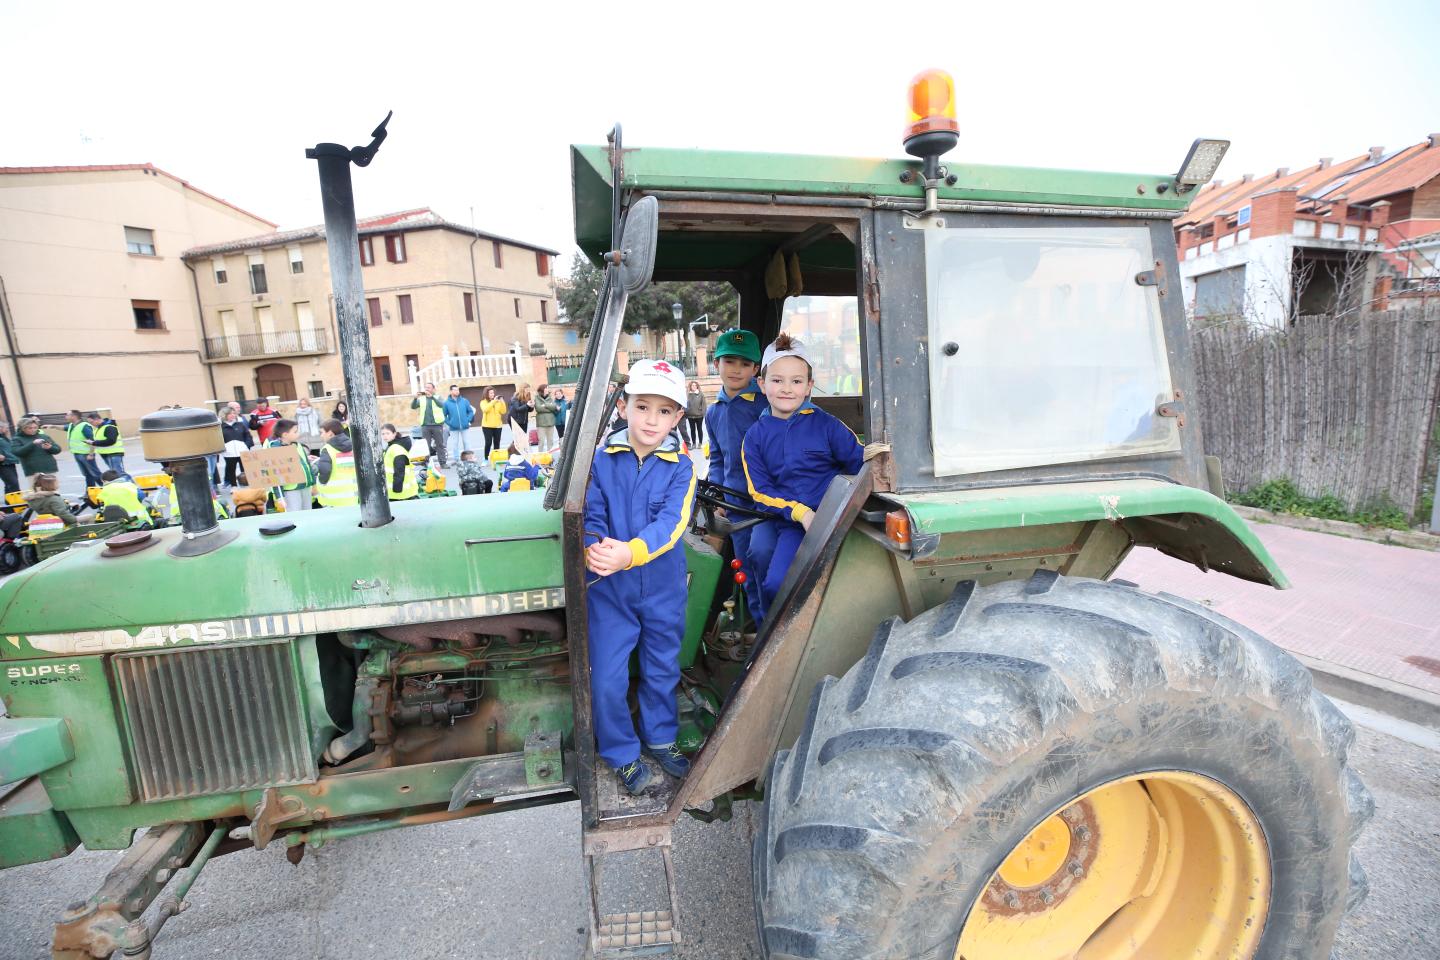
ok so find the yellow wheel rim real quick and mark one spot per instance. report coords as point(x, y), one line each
point(1167, 864)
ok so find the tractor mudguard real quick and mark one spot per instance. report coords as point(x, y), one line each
point(1183, 522)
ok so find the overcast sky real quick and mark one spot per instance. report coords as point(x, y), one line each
point(488, 95)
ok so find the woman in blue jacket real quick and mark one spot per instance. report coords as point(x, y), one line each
point(792, 453)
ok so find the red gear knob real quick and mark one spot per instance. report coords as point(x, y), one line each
point(735, 564)
point(739, 576)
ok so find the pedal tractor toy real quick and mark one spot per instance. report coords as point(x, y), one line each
point(964, 739)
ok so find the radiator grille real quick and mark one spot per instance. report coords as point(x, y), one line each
point(214, 719)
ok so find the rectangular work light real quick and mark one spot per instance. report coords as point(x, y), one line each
point(1200, 164)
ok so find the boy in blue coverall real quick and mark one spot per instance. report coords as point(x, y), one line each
point(738, 405)
point(638, 505)
point(792, 453)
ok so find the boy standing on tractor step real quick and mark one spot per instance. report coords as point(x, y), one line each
point(642, 490)
point(792, 453)
point(738, 405)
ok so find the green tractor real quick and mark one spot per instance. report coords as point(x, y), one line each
point(965, 740)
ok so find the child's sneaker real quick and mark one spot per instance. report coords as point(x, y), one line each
point(634, 775)
point(671, 760)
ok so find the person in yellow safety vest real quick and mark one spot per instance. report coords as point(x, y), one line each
point(335, 472)
point(80, 437)
point(432, 422)
point(109, 445)
point(123, 495)
point(400, 482)
point(221, 513)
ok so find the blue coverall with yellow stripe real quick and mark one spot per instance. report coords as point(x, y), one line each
point(646, 503)
point(788, 466)
point(726, 421)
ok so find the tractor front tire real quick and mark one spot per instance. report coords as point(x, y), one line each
point(1062, 768)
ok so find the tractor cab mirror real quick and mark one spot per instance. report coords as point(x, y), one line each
point(636, 255)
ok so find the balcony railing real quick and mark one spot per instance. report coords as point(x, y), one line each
point(281, 343)
point(1418, 285)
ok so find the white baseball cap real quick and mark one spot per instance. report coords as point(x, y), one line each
point(659, 377)
point(796, 349)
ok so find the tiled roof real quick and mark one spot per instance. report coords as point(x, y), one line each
point(421, 218)
point(150, 167)
point(1364, 179)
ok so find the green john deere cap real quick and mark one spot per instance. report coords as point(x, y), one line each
point(738, 343)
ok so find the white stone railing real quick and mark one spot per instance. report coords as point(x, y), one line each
point(483, 366)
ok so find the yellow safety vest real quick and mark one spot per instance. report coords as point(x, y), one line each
point(220, 512)
point(343, 490)
point(410, 488)
point(117, 447)
point(126, 496)
point(78, 443)
point(436, 409)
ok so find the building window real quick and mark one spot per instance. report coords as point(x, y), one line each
point(257, 274)
point(395, 247)
point(542, 264)
point(498, 254)
point(317, 389)
point(297, 260)
point(407, 313)
point(469, 307)
point(412, 361)
point(374, 304)
point(544, 311)
point(140, 241)
point(147, 314)
point(367, 252)
point(517, 306)
point(219, 264)
point(239, 394)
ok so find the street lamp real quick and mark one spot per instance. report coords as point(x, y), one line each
point(677, 309)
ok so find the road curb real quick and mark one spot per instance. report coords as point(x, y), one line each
point(1356, 531)
point(1399, 700)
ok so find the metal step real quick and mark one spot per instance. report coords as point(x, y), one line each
point(644, 933)
point(635, 933)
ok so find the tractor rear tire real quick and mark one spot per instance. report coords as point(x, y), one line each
point(976, 740)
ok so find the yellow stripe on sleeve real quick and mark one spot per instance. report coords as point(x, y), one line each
point(797, 509)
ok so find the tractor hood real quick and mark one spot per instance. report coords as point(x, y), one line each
point(441, 559)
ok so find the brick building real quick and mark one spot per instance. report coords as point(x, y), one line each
point(1333, 236)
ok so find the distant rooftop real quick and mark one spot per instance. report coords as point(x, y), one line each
point(147, 167)
point(1364, 179)
point(421, 218)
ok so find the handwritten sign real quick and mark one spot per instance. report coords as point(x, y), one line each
point(273, 466)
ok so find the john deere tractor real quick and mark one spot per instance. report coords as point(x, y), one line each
point(965, 739)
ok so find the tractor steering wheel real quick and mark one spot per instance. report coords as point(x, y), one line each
point(712, 497)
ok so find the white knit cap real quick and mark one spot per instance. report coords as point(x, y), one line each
point(797, 349)
point(659, 377)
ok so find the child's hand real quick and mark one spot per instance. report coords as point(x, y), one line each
point(594, 563)
point(613, 555)
point(806, 520)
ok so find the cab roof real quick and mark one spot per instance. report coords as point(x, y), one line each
point(713, 171)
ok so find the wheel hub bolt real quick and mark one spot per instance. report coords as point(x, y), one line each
point(1047, 897)
point(1076, 870)
point(1012, 900)
point(1082, 833)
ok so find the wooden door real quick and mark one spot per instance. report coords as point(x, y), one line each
point(384, 383)
point(275, 380)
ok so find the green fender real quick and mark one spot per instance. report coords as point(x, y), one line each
point(1183, 522)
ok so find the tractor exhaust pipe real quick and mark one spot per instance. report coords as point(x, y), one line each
point(342, 238)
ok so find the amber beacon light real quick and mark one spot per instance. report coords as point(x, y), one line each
point(933, 130)
point(932, 109)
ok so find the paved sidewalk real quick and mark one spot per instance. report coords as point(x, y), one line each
point(1362, 605)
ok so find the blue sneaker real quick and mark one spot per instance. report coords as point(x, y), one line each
point(634, 775)
point(671, 760)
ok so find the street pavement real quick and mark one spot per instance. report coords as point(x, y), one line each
point(512, 886)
